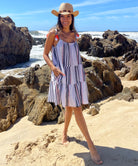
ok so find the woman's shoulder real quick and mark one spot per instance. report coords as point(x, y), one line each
point(52, 33)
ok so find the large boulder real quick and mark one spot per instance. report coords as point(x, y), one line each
point(15, 43)
point(42, 110)
point(102, 81)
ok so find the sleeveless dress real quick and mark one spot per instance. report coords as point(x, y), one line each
point(71, 89)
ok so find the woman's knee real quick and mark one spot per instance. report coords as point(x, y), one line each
point(77, 110)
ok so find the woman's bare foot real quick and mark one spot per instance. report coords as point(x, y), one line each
point(65, 139)
point(95, 157)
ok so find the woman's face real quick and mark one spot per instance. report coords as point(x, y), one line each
point(66, 20)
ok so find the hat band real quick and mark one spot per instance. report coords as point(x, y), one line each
point(62, 11)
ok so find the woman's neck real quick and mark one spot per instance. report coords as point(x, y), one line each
point(66, 30)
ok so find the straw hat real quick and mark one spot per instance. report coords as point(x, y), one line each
point(65, 8)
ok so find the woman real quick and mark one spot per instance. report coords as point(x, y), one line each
point(68, 85)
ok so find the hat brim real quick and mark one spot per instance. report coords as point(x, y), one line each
point(75, 13)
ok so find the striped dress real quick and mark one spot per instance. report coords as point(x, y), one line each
point(71, 89)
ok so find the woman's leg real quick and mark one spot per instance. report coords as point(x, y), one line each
point(68, 115)
point(82, 125)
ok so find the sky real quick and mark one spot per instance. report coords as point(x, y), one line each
point(94, 15)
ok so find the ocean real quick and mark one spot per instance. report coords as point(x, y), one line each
point(36, 54)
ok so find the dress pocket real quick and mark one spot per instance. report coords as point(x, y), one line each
point(58, 79)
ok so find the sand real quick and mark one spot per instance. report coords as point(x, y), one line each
point(114, 131)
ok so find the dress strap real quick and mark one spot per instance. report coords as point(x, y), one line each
point(77, 36)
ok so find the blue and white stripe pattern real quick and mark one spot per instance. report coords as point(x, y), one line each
point(71, 89)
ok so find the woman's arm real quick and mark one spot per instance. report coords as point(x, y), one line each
point(48, 46)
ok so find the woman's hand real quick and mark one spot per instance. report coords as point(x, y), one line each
point(57, 71)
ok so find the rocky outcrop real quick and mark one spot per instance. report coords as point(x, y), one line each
point(15, 43)
point(102, 81)
point(28, 95)
point(112, 44)
point(11, 106)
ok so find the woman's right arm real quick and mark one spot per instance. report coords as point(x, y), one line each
point(48, 46)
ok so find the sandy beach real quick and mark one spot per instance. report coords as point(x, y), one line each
point(114, 132)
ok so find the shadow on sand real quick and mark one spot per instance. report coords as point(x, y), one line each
point(117, 156)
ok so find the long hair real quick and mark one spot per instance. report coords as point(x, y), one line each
point(60, 27)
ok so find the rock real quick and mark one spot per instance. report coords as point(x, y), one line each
point(134, 89)
point(11, 106)
point(10, 80)
point(131, 55)
point(133, 74)
point(61, 117)
point(1, 76)
point(128, 94)
point(42, 111)
point(15, 43)
point(28, 96)
point(38, 78)
point(94, 94)
point(96, 48)
point(114, 63)
point(94, 109)
point(108, 77)
point(112, 44)
point(124, 71)
point(102, 81)
point(84, 42)
point(113, 82)
point(38, 41)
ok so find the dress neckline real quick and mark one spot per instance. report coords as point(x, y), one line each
point(66, 42)
point(60, 40)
